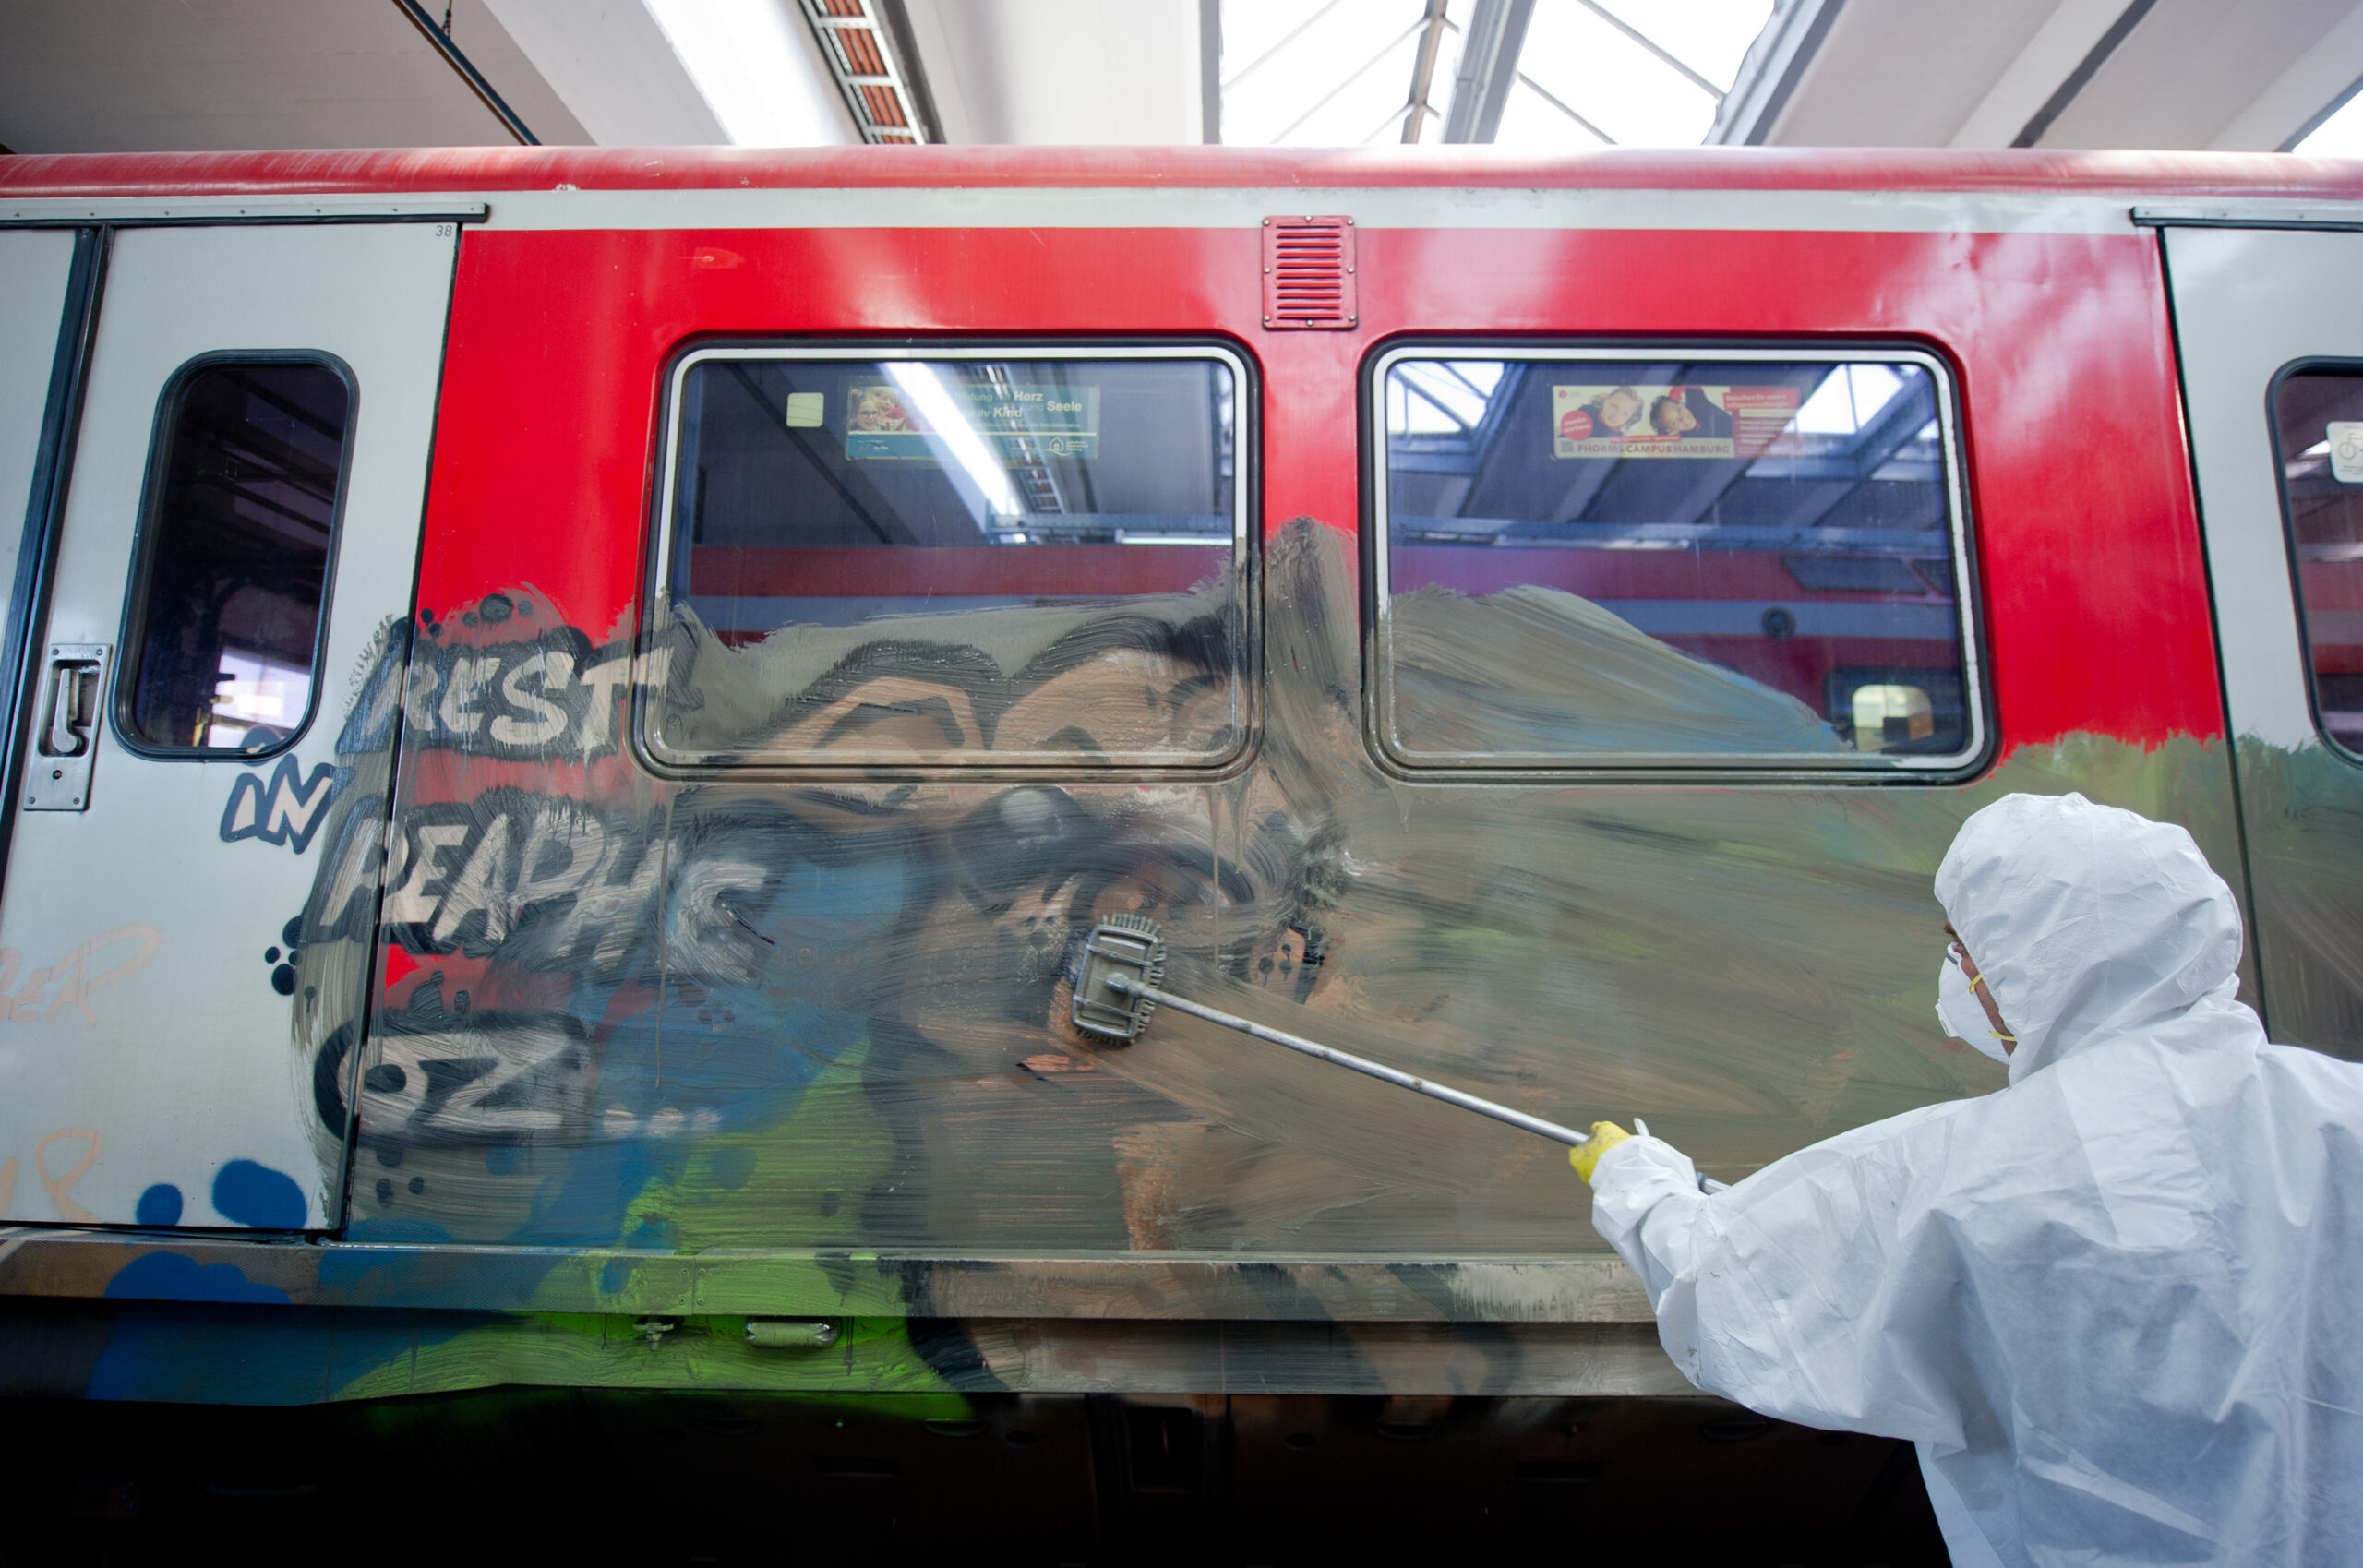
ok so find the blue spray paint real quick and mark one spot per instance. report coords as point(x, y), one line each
point(251, 1194)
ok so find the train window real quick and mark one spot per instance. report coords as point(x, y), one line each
point(1620, 560)
point(964, 558)
point(223, 627)
point(2318, 420)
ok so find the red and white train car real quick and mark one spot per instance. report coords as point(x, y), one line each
point(568, 708)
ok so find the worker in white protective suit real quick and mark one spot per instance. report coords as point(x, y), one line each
point(2118, 1305)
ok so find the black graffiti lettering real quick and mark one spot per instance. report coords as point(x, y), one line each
point(543, 881)
point(551, 696)
point(341, 903)
point(481, 892)
point(545, 720)
point(370, 726)
point(601, 682)
point(482, 1077)
point(418, 700)
point(459, 690)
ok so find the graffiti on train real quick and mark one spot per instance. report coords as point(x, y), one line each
point(576, 958)
point(551, 696)
point(79, 974)
point(602, 1005)
point(288, 810)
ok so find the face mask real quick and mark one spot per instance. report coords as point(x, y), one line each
point(1960, 1014)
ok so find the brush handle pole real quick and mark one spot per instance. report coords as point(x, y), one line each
point(1450, 1096)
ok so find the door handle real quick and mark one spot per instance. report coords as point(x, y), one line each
point(70, 706)
point(59, 776)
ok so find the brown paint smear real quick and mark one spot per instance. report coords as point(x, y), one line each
point(1750, 969)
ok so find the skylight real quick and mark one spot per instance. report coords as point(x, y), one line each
point(1591, 73)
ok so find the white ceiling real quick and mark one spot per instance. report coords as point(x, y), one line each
point(1062, 72)
point(2234, 75)
point(130, 75)
point(181, 75)
point(172, 74)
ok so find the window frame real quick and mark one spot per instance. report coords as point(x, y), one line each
point(133, 625)
point(2311, 365)
point(1246, 542)
point(1633, 766)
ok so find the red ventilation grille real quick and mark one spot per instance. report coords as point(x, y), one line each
point(1309, 274)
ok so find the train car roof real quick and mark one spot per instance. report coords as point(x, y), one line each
point(2168, 175)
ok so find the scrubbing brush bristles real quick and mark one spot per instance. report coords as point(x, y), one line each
point(1124, 948)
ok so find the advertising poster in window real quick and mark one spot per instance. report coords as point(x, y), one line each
point(1024, 424)
point(1684, 421)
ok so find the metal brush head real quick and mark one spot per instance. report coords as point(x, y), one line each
point(1125, 948)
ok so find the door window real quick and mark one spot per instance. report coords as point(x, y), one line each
point(2317, 421)
point(233, 566)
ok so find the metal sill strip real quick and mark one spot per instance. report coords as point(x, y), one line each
point(1168, 1286)
point(141, 212)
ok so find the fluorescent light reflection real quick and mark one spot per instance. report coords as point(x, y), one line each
point(1849, 399)
point(954, 436)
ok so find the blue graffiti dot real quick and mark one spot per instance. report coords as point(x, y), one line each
point(292, 932)
point(282, 980)
point(159, 1206)
point(248, 1193)
point(271, 955)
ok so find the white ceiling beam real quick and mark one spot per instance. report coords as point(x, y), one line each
point(758, 68)
point(1062, 72)
point(616, 69)
point(2191, 70)
point(2302, 96)
point(2048, 58)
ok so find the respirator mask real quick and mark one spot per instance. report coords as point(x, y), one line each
point(1960, 1014)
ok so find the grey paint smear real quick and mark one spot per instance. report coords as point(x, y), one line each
point(1539, 671)
point(904, 689)
point(830, 1015)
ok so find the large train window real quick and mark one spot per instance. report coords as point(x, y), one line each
point(223, 625)
point(1621, 558)
point(972, 557)
point(2317, 422)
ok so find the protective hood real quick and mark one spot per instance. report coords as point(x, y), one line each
point(2089, 923)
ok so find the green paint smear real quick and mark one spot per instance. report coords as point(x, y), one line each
point(798, 1182)
point(871, 1355)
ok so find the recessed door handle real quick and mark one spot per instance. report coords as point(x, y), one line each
point(70, 701)
point(57, 776)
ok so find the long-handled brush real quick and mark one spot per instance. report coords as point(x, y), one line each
point(1118, 987)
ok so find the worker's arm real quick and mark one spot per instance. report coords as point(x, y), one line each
point(1645, 1202)
point(1778, 1293)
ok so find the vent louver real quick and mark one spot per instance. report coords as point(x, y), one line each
point(1309, 274)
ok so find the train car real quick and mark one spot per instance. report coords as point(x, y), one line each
point(571, 711)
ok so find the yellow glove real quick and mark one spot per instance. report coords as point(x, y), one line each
point(1585, 1157)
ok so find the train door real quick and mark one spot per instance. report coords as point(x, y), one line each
point(239, 538)
point(2271, 332)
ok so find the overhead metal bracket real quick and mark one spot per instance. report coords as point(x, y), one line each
point(1488, 54)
